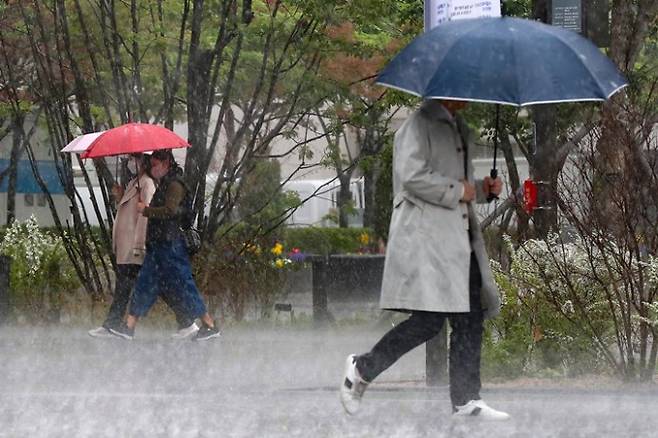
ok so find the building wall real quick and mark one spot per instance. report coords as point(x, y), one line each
point(35, 204)
point(30, 200)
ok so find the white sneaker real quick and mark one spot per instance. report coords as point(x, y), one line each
point(352, 386)
point(100, 332)
point(186, 332)
point(479, 409)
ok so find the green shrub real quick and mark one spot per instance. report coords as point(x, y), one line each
point(384, 192)
point(261, 203)
point(316, 240)
point(40, 270)
point(243, 271)
point(532, 337)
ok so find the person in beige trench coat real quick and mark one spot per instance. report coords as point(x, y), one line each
point(436, 264)
point(129, 246)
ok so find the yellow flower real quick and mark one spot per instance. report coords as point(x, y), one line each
point(254, 249)
point(278, 249)
point(279, 263)
point(364, 239)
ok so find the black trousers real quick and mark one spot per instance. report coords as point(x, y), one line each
point(420, 327)
point(125, 281)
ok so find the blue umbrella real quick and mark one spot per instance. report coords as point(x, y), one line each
point(505, 60)
point(509, 61)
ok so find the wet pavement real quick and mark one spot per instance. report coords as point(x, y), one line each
point(267, 382)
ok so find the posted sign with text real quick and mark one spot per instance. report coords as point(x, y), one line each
point(440, 11)
point(568, 14)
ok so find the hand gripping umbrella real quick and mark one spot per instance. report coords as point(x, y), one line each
point(505, 61)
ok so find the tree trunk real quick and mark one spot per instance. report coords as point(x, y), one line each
point(544, 169)
point(344, 200)
point(374, 140)
point(16, 146)
point(617, 147)
point(515, 182)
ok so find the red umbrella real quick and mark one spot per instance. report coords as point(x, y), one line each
point(133, 138)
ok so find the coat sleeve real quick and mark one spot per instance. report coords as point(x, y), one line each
point(147, 189)
point(412, 155)
point(480, 197)
point(173, 199)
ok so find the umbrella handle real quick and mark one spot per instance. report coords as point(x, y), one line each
point(493, 174)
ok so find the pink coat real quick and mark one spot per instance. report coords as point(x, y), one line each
point(129, 232)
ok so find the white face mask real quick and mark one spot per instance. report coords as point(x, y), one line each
point(132, 165)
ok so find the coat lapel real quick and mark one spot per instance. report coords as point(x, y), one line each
point(131, 192)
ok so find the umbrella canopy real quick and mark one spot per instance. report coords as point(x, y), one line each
point(82, 143)
point(505, 60)
point(130, 138)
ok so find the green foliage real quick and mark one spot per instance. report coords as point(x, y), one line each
point(504, 358)
point(644, 77)
point(517, 8)
point(316, 240)
point(40, 269)
point(23, 107)
point(358, 44)
point(261, 202)
point(411, 14)
point(243, 271)
point(554, 318)
point(384, 192)
point(530, 339)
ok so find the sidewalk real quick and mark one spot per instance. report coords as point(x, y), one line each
point(267, 382)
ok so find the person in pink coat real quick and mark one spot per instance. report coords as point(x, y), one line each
point(129, 246)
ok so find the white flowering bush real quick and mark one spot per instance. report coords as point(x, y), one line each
point(40, 268)
point(556, 314)
point(567, 271)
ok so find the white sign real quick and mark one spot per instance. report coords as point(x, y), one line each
point(567, 14)
point(440, 11)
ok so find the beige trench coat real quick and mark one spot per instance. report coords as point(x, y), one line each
point(428, 252)
point(129, 232)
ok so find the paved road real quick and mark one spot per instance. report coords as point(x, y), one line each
point(265, 382)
